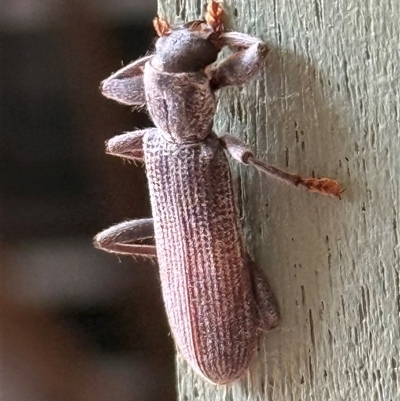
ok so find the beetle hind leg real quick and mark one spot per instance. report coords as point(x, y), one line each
point(267, 312)
point(126, 238)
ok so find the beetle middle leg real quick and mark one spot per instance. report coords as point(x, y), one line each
point(124, 238)
point(267, 306)
point(128, 145)
point(242, 153)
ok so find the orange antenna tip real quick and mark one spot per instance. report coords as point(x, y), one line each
point(214, 14)
point(161, 26)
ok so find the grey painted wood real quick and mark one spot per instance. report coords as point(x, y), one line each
point(327, 102)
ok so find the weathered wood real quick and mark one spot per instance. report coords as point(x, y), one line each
point(327, 102)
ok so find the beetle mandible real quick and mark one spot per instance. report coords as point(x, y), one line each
point(216, 298)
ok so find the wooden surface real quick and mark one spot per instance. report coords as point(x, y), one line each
point(326, 102)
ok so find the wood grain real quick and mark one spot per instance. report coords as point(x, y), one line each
point(327, 103)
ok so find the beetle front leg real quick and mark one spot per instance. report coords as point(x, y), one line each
point(121, 238)
point(240, 152)
point(126, 85)
point(241, 66)
point(267, 307)
point(128, 145)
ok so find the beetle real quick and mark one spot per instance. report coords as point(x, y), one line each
point(216, 298)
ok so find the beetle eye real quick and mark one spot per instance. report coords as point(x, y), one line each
point(193, 25)
point(199, 26)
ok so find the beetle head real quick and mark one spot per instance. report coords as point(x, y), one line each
point(188, 48)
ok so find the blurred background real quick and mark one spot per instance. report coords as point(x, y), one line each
point(77, 323)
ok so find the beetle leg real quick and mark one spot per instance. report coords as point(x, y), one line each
point(121, 238)
point(267, 307)
point(240, 152)
point(243, 64)
point(126, 85)
point(128, 145)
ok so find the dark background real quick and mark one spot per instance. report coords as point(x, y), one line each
point(78, 324)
